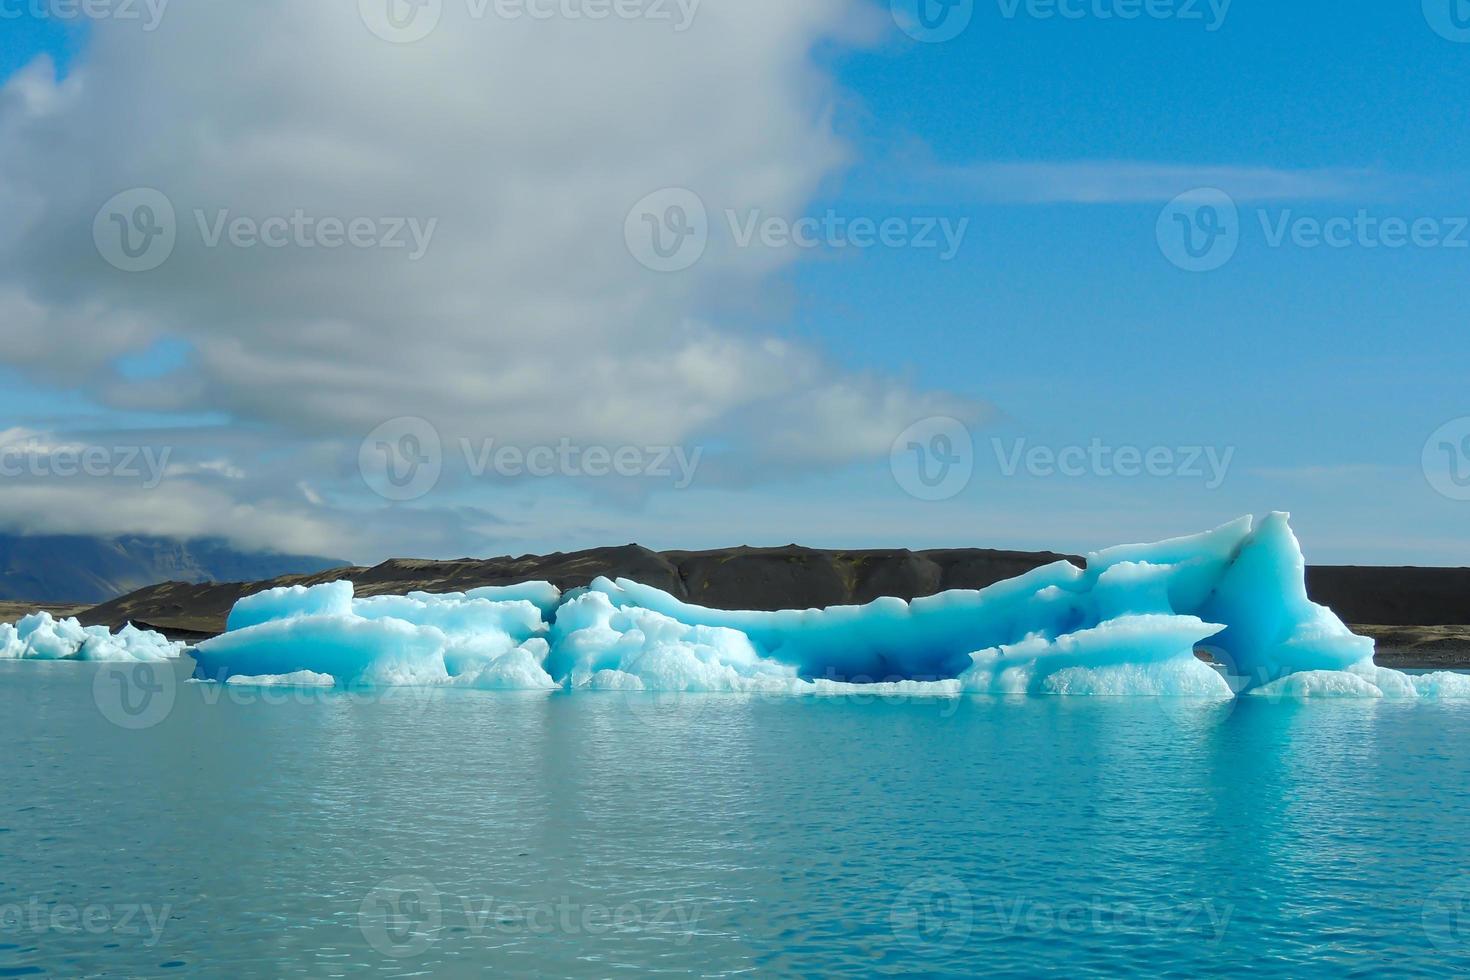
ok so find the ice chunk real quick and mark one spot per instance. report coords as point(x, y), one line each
point(347, 647)
point(1442, 684)
point(1193, 565)
point(416, 640)
point(543, 595)
point(484, 620)
point(40, 636)
point(1368, 680)
point(332, 599)
point(1130, 622)
point(1273, 629)
point(1320, 684)
point(1132, 654)
point(889, 639)
point(1250, 582)
point(301, 678)
point(606, 648)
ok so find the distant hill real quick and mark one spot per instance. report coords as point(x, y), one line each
point(81, 569)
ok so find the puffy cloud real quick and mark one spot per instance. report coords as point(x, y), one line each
point(508, 151)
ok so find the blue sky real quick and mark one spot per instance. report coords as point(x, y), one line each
point(1321, 371)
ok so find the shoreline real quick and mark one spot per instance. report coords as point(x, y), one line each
point(1419, 647)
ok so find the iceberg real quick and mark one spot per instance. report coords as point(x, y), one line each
point(480, 639)
point(40, 636)
point(1134, 620)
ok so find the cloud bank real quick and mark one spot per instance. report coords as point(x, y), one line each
point(286, 147)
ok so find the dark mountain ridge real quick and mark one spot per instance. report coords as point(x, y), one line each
point(78, 568)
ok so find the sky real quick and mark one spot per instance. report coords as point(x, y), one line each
point(482, 277)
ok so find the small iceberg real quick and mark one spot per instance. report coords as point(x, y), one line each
point(40, 636)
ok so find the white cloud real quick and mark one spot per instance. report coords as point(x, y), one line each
point(526, 320)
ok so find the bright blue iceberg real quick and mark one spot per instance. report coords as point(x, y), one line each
point(1130, 622)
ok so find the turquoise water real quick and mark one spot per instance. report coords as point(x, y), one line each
point(265, 833)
